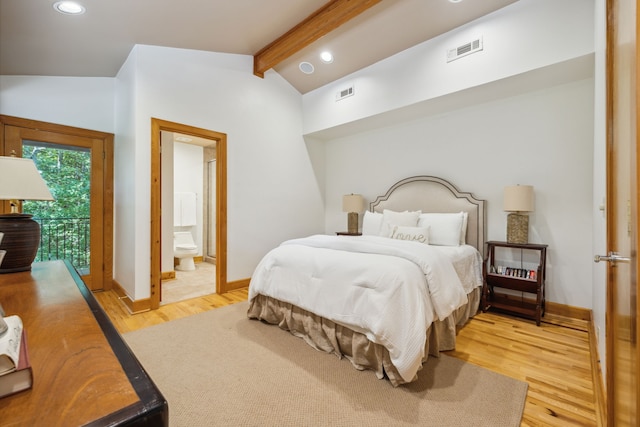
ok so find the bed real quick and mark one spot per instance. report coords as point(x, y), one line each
point(384, 300)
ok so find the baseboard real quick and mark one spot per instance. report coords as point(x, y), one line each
point(134, 306)
point(596, 376)
point(568, 311)
point(596, 368)
point(238, 284)
point(168, 275)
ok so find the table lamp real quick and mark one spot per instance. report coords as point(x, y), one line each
point(353, 204)
point(19, 234)
point(518, 199)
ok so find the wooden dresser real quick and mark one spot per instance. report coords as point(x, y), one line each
point(84, 373)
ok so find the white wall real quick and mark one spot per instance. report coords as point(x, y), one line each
point(167, 201)
point(272, 189)
point(543, 138)
point(278, 182)
point(125, 260)
point(519, 112)
point(524, 36)
point(599, 184)
point(84, 102)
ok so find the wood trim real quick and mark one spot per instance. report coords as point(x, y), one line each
point(157, 126)
point(107, 202)
point(596, 376)
point(133, 306)
point(155, 212)
point(168, 275)
point(610, 192)
point(237, 284)
point(104, 142)
point(568, 311)
point(318, 24)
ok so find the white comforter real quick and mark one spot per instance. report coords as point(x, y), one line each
point(389, 290)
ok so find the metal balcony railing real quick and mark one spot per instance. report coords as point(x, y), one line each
point(65, 238)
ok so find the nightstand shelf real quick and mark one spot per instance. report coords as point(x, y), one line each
point(520, 279)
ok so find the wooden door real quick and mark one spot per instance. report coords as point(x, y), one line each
point(622, 217)
point(92, 260)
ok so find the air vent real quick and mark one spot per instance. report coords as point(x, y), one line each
point(344, 93)
point(464, 49)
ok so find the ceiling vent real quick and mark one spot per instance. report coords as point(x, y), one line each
point(464, 49)
point(344, 93)
point(306, 67)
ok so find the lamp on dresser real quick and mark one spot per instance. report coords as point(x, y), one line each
point(19, 233)
point(353, 204)
point(518, 199)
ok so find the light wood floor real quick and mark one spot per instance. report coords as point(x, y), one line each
point(553, 358)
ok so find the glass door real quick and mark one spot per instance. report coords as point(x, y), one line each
point(65, 226)
point(72, 225)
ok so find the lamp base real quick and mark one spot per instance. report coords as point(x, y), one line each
point(352, 222)
point(517, 228)
point(19, 240)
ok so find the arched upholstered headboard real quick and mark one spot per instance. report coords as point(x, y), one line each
point(432, 194)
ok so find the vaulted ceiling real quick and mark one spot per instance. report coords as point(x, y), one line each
point(280, 34)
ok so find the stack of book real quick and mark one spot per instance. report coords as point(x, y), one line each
point(15, 369)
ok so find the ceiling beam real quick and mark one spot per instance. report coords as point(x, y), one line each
point(319, 23)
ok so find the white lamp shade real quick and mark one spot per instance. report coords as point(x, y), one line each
point(518, 198)
point(20, 180)
point(352, 203)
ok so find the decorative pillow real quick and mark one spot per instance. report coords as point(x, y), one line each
point(414, 234)
point(371, 223)
point(445, 229)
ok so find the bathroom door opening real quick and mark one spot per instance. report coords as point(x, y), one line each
point(210, 235)
point(188, 266)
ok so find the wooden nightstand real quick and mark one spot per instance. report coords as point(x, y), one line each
point(517, 278)
point(346, 233)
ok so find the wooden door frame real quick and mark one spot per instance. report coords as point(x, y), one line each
point(157, 126)
point(106, 142)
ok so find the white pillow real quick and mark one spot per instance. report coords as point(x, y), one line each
point(463, 232)
point(445, 229)
point(414, 234)
point(392, 218)
point(406, 218)
point(371, 223)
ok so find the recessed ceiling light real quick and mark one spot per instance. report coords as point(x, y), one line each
point(306, 67)
point(455, 1)
point(69, 7)
point(183, 139)
point(326, 57)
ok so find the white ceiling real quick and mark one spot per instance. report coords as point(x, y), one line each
point(36, 40)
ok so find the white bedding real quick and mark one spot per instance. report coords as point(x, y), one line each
point(389, 290)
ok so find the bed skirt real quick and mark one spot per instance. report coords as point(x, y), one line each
point(328, 336)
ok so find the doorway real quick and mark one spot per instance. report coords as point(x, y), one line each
point(84, 234)
point(158, 128)
point(188, 203)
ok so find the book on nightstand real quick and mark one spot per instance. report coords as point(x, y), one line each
point(10, 338)
point(21, 378)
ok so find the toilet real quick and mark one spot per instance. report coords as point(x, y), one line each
point(184, 249)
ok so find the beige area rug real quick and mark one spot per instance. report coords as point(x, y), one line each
point(219, 368)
